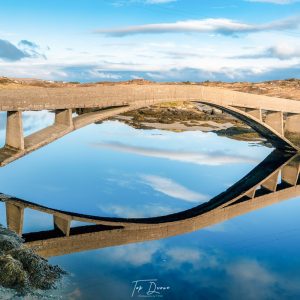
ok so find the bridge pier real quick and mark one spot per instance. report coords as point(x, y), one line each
point(251, 193)
point(290, 174)
point(271, 183)
point(275, 120)
point(64, 117)
point(14, 130)
point(62, 224)
point(14, 218)
point(292, 124)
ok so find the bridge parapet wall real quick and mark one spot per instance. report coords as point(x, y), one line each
point(117, 95)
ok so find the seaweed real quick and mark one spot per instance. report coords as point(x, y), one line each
point(23, 270)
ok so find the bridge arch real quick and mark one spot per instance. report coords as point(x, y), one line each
point(262, 180)
point(257, 189)
point(17, 145)
point(275, 137)
point(260, 184)
point(272, 131)
point(281, 116)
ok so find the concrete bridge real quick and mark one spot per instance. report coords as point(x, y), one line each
point(276, 119)
point(273, 180)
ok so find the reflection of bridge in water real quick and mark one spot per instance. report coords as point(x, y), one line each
point(273, 180)
point(275, 119)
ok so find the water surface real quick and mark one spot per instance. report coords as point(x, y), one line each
point(111, 169)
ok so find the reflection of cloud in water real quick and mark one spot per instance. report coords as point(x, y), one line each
point(220, 227)
point(116, 129)
point(183, 255)
point(170, 188)
point(134, 254)
point(254, 281)
point(238, 278)
point(197, 258)
point(250, 270)
point(75, 294)
point(202, 158)
point(2, 120)
point(141, 254)
point(136, 211)
point(32, 120)
point(159, 184)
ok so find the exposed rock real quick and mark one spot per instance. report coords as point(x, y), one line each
point(183, 116)
point(21, 269)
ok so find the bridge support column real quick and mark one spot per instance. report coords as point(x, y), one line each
point(292, 124)
point(256, 113)
point(15, 218)
point(290, 174)
point(14, 130)
point(62, 224)
point(271, 183)
point(275, 120)
point(64, 117)
point(251, 193)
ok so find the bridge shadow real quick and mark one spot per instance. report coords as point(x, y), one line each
point(274, 180)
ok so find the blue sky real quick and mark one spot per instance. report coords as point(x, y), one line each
point(100, 40)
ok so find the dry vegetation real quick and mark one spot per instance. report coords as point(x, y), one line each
point(289, 89)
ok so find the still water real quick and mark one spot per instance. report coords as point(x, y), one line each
point(114, 170)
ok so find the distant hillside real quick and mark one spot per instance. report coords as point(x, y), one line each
point(289, 88)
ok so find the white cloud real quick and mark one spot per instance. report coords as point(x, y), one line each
point(174, 57)
point(172, 189)
point(200, 158)
point(217, 25)
point(25, 49)
point(121, 3)
point(254, 57)
point(103, 75)
point(159, 1)
point(284, 51)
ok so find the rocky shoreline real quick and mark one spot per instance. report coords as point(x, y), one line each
point(23, 271)
point(179, 117)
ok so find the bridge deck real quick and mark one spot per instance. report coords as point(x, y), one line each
point(47, 244)
point(101, 96)
point(36, 139)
